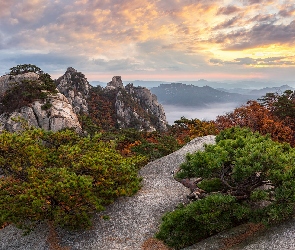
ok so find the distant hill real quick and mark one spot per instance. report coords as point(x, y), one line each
point(262, 92)
point(256, 93)
point(190, 95)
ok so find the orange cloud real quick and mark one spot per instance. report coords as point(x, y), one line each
point(153, 35)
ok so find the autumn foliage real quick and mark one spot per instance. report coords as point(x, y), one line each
point(258, 118)
point(187, 129)
point(245, 177)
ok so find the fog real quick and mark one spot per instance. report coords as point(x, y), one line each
point(174, 113)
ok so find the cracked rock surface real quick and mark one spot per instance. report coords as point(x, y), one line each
point(59, 116)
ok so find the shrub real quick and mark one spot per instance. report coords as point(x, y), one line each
point(61, 177)
point(242, 169)
point(27, 91)
point(198, 220)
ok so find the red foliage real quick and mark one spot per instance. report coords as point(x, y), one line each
point(258, 118)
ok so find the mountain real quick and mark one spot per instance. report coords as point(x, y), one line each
point(51, 113)
point(262, 92)
point(256, 93)
point(126, 107)
point(190, 95)
point(75, 87)
point(55, 105)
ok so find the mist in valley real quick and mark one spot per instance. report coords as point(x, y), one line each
point(210, 112)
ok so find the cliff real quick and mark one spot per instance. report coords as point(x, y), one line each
point(52, 113)
point(126, 107)
point(55, 105)
point(75, 87)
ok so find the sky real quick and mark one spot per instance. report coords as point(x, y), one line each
point(168, 40)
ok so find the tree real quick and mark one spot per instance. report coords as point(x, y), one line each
point(196, 128)
point(27, 91)
point(61, 177)
point(244, 177)
point(258, 118)
point(25, 68)
point(281, 106)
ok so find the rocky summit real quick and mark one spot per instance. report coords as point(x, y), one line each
point(128, 107)
point(114, 106)
point(57, 116)
point(143, 108)
point(75, 87)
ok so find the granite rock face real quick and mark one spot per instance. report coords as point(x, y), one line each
point(115, 83)
point(149, 113)
point(7, 81)
point(137, 107)
point(75, 87)
point(58, 116)
point(131, 107)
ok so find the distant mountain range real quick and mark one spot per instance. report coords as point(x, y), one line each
point(240, 85)
point(258, 92)
point(189, 95)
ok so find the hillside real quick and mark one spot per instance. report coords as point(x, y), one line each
point(190, 95)
point(256, 93)
point(71, 102)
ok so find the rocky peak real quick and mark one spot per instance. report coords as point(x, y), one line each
point(126, 107)
point(71, 70)
point(137, 107)
point(116, 82)
point(75, 87)
point(53, 113)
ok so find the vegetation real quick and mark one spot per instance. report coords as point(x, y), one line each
point(25, 92)
point(193, 128)
point(258, 118)
point(61, 177)
point(25, 68)
point(281, 106)
point(102, 111)
point(245, 177)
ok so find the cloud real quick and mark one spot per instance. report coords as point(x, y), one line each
point(288, 11)
point(231, 9)
point(45, 61)
point(268, 18)
point(261, 34)
point(144, 35)
point(227, 23)
point(269, 61)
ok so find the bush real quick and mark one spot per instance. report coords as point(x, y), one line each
point(23, 93)
point(156, 146)
point(252, 177)
point(200, 219)
point(61, 177)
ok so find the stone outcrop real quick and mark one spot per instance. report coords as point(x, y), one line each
point(137, 106)
point(128, 106)
point(75, 87)
point(58, 116)
point(115, 83)
point(6, 81)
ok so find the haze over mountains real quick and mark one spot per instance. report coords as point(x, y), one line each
point(228, 85)
point(204, 99)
